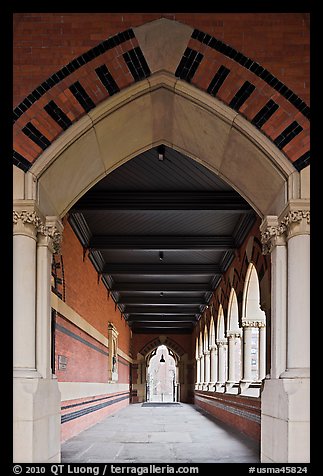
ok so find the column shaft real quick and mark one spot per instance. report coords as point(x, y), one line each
point(278, 310)
point(207, 367)
point(262, 353)
point(232, 372)
point(24, 299)
point(298, 328)
point(247, 376)
point(43, 308)
point(214, 364)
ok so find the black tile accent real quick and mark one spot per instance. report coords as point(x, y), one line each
point(188, 64)
point(20, 161)
point(35, 135)
point(288, 134)
point(58, 115)
point(302, 161)
point(265, 113)
point(136, 63)
point(82, 96)
point(218, 80)
point(94, 400)
point(242, 95)
point(107, 79)
point(85, 411)
point(70, 68)
point(253, 66)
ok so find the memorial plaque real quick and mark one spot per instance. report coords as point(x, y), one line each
point(62, 362)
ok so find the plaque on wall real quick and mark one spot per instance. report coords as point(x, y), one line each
point(62, 362)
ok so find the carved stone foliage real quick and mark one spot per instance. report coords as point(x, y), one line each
point(271, 233)
point(50, 231)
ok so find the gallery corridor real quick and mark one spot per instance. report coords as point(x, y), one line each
point(159, 433)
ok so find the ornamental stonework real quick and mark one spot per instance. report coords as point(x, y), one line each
point(32, 218)
point(271, 233)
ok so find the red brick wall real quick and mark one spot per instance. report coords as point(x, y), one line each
point(84, 363)
point(86, 295)
point(242, 413)
point(82, 422)
point(123, 371)
point(44, 42)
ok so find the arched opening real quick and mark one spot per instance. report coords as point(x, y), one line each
point(161, 376)
point(254, 328)
point(234, 338)
point(222, 344)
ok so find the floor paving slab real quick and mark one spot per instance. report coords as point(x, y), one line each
point(160, 434)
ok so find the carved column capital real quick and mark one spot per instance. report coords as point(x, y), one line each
point(249, 323)
point(26, 218)
point(234, 334)
point(221, 342)
point(294, 220)
point(50, 234)
point(29, 221)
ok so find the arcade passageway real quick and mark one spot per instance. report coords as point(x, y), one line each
point(159, 433)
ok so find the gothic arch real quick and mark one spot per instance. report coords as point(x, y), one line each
point(220, 324)
point(251, 296)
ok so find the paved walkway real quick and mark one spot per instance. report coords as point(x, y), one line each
point(156, 433)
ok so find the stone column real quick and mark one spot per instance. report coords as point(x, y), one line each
point(285, 401)
point(233, 337)
point(26, 220)
point(274, 242)
point(36, 397)
point(221, 343)
point(206, 369)
point(298, 301)
point(247, 332)
point(262, 351)
point(198, 372)
point(214, 367)
point(48, 242)
point(202, 371)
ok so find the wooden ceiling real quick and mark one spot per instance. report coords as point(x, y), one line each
point(161, 230)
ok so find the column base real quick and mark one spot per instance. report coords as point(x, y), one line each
point(36, 419)
point(220, 387)
point(249, 389)
point(205, 387)
point(232, 388)
point(285, 421)
point(211, 387)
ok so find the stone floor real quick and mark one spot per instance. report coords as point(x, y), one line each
point(159, 433)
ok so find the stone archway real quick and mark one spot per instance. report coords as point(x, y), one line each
point(182, 387)
point(162, 109)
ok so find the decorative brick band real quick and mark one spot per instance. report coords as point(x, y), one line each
point(79, 413)
point(228, 408)
point(118, 62)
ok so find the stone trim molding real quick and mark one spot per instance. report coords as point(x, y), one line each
point(275, 231)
